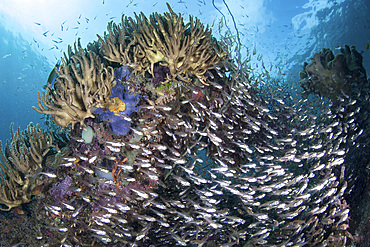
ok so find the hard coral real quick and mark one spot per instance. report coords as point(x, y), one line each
point(82, 84)
point(329, 75)
point(186, 49)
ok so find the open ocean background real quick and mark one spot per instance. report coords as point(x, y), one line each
point(34, 35)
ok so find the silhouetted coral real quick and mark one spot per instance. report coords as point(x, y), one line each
point(330, 76)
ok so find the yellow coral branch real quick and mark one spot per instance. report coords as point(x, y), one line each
point(21, 162)
point(188, 50)
point(82, 84)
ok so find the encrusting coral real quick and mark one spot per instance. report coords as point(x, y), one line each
point(22, 161)
point(82, 85)
point(186, 49)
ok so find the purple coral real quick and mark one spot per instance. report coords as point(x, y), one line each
point(122, 73)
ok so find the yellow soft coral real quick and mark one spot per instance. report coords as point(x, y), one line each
point(187, 49)
point(83, 83)
point(21, 164)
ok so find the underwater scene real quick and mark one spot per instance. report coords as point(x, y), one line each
point(185, 123)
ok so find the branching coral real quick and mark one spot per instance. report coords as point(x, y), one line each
point(331, 76)
point(186, 49)
point(82, 84)
point(21, 163)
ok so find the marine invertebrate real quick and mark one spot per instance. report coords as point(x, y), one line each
point(160, 74)
point(117, 108)
point(329, 75)
point(22, 164)
point(166, 93)
point(187, 50)
point(115, 105)
point(82, 85)
point(121, 103)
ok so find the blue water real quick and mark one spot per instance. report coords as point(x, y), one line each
point(286, 33)
point(23, 72)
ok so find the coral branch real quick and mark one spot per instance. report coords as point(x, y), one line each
point(188, 50)
point(21, 162)
point(82, 84)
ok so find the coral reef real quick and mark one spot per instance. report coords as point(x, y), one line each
point(329, 75)
point(22, 163)
point(187, 152)
point(82, 85)
point(187, 50)
point(157, 177)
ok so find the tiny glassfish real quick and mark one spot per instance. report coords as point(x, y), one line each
point(140, 193)
point(48, 174)
point(115, 144)
point(215, 139)
point(68, 206)
point(179, 240)
point(143, 232)
point(77, 212)
point(122, 207)
point(181, 180)
point(98, 232)
point(136, 131)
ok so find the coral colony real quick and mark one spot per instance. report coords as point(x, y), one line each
point(166, 142)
